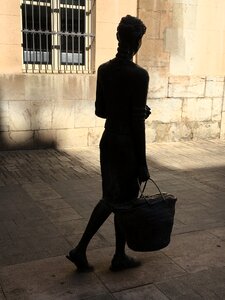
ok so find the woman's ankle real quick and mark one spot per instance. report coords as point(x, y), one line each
point(80, 248)
point(119, 254)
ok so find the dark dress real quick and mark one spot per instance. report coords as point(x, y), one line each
point(121, 99)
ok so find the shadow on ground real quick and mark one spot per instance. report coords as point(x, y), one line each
point(47, 197)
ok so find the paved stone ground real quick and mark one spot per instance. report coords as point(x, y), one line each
point(46, 197)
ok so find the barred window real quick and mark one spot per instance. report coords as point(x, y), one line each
point(57, 36)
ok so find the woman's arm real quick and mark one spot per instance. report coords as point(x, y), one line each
point(138, 123)
point(100, 105)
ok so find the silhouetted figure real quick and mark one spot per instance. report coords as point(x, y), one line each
point(121, 99)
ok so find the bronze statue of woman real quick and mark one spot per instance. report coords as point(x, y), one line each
point(121, 95)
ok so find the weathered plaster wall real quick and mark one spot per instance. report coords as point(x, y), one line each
point(196, 38)
point(108, 15)
point(10, 37)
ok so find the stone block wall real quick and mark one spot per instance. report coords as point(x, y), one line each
point(56, 110)
point(48, 110)
point(193, 109)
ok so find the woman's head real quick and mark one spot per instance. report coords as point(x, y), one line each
point(129, 33)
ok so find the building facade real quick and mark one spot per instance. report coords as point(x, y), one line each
point(50, 51)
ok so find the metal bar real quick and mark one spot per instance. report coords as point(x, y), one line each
point(87, 27)
point(71, 42)
point(46, 37)
point(60, 33)
point(34, 55)
point(89, 36)
point(62, 36)
point(26, 62)
point(93, 41)
point(40, 64)
point(72, 38)
point(58, 40)
point(52, 37)
point(66, 36)
point(78, 19)
point(36, 2)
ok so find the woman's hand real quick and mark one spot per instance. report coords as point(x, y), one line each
point(143, 174)
point(147, 111)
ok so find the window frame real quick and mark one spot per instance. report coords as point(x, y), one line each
point(56, 66)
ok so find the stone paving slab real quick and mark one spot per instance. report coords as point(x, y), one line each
point(150, 292)
point(55, 278)
point(196, 251)
point(208, 284)
point(51, 278)
point(47, 196)
point(155, 266)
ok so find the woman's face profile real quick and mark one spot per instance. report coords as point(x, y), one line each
point(138, 46)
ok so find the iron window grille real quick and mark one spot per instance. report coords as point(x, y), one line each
point(57, 36)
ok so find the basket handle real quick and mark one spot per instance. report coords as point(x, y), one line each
point(142, 191)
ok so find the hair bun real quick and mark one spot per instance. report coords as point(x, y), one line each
point(130, 29)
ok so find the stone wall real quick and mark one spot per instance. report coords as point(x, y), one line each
point(185, 94)
point(42, 110)
point(48, 110)
point(56, 110)
point(193, 108)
